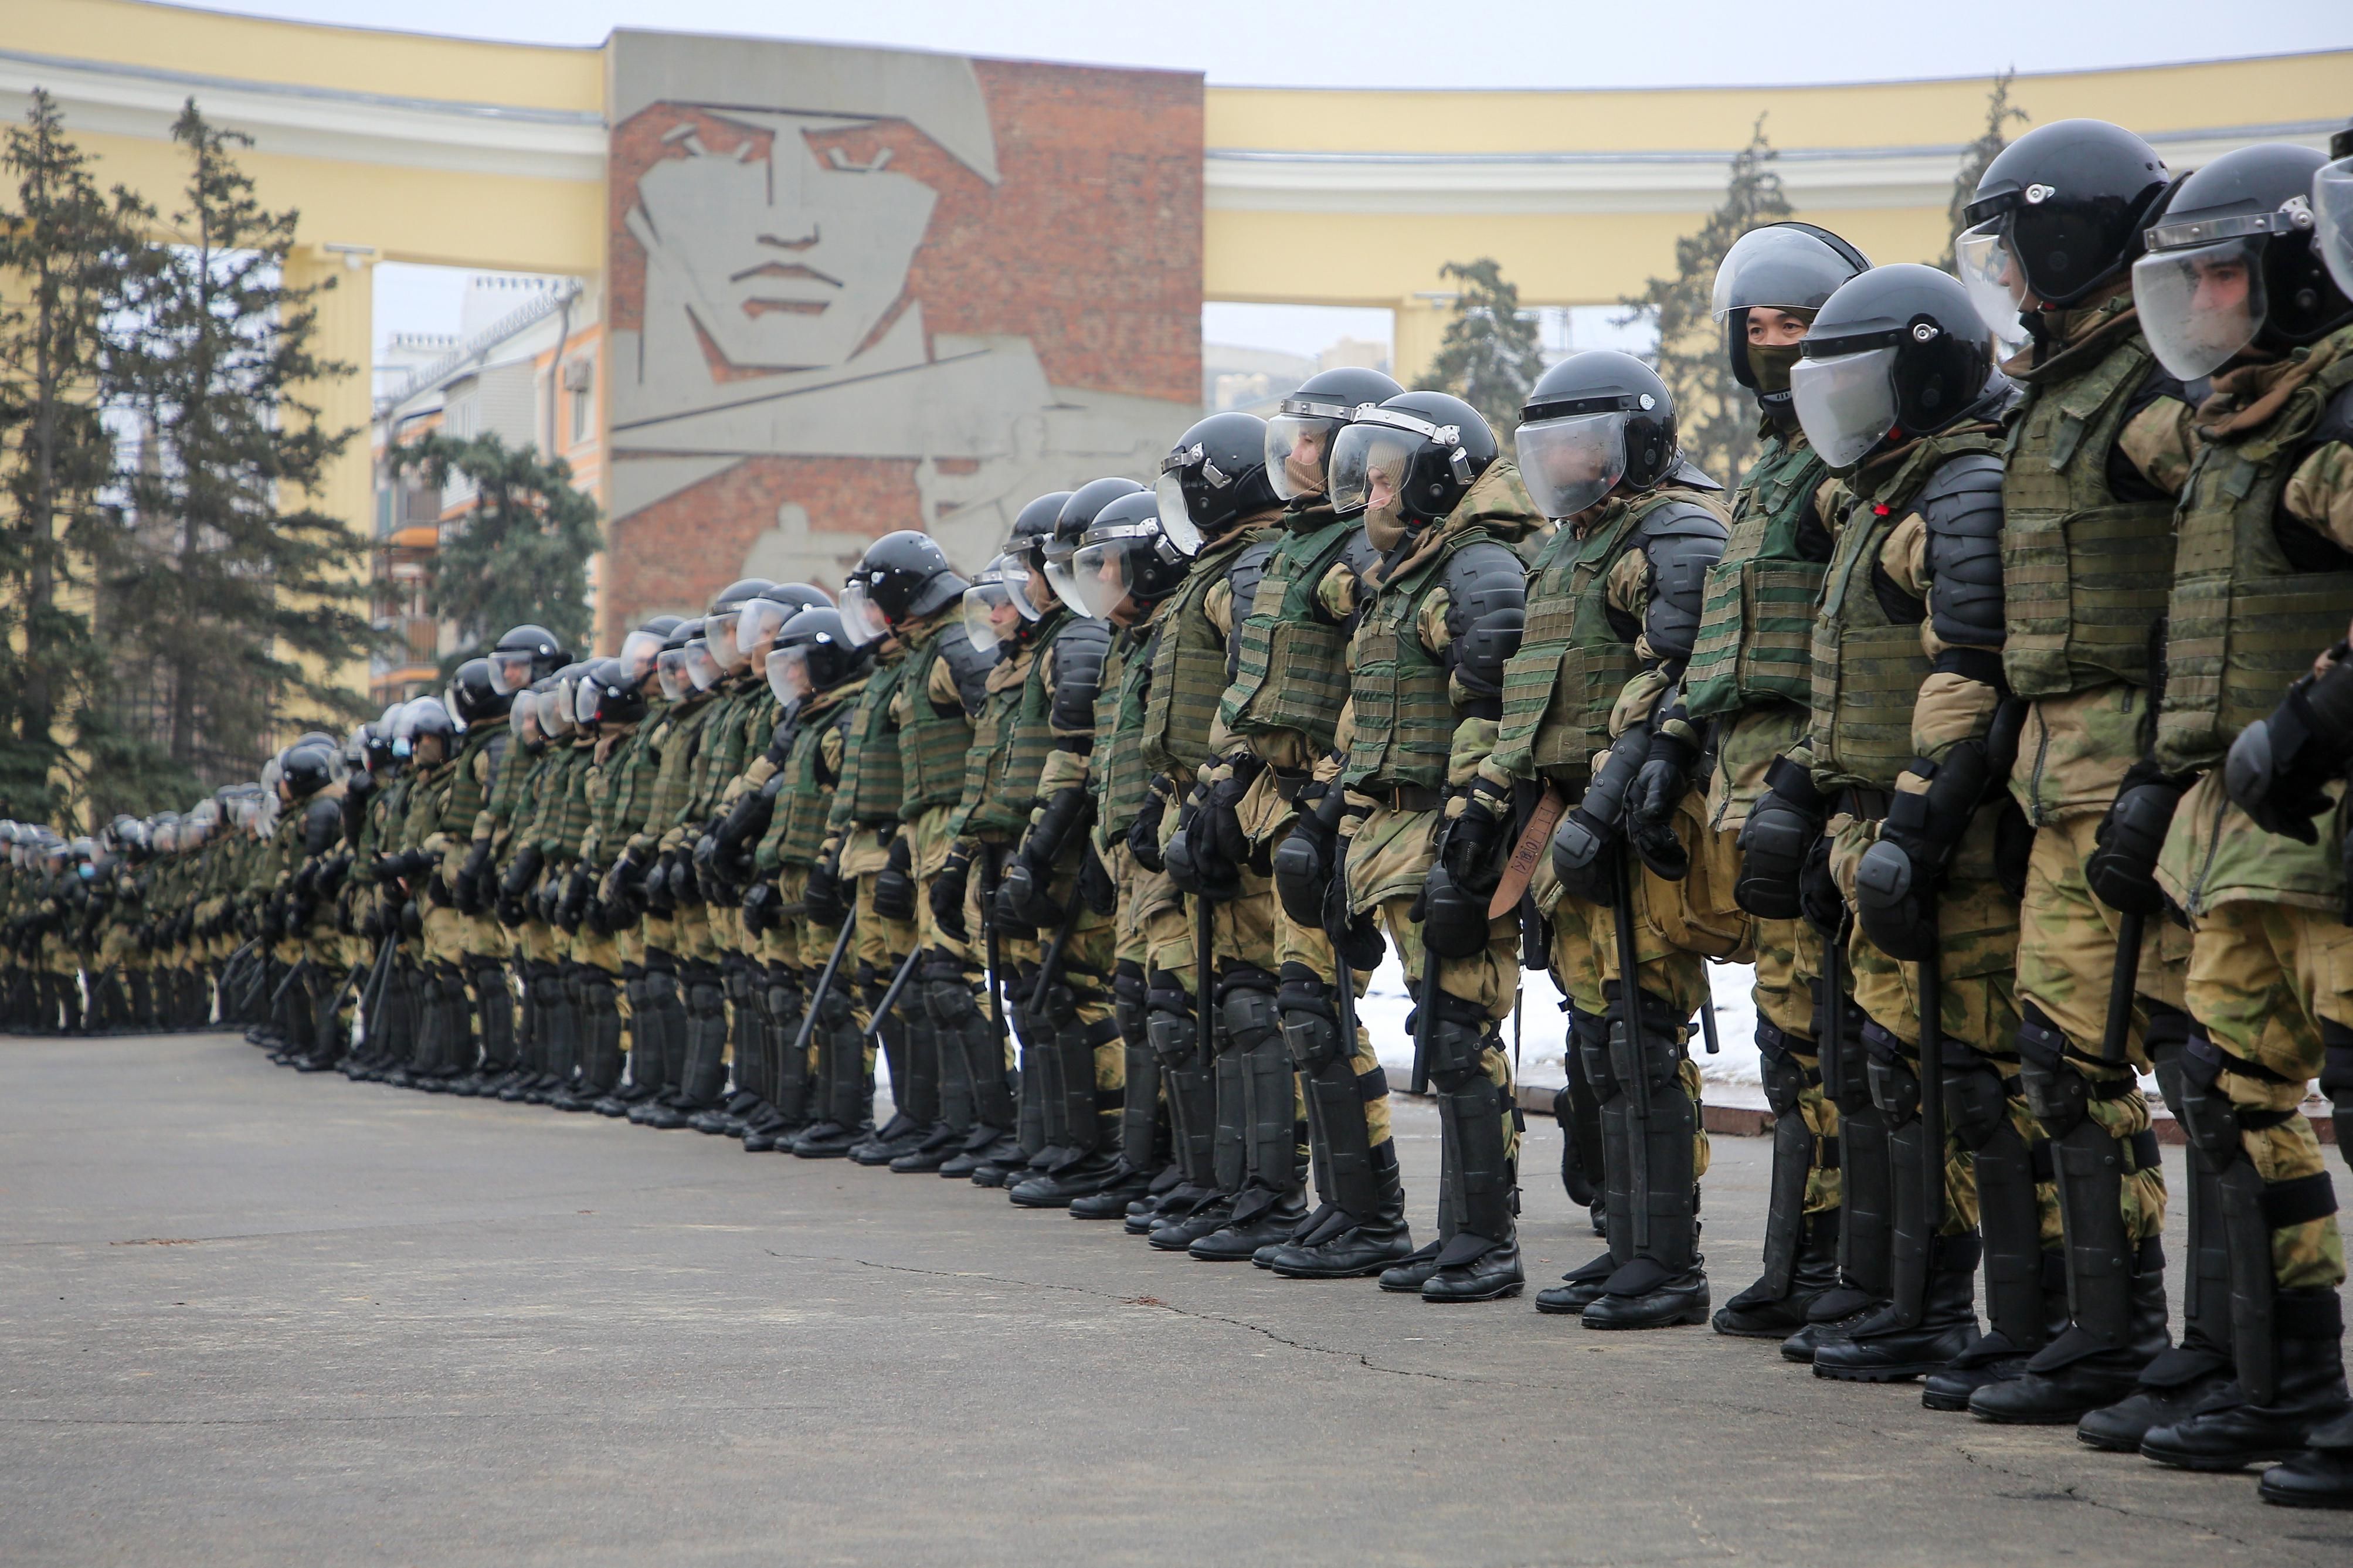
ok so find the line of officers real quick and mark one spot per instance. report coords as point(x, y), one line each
point(1999, 715)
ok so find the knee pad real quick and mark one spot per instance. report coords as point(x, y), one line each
point(1589, 1037)
point(949, 1001)
point(2059, 1095)
point(1459, 1032)
point(1127, 1000)
point(2208, 1117)
point(1174, 1037)
point(1784, 1078)
point(1894, 1081)
point(1311, 1024)
point(1977, 1102)
point(2337, 1063)
point(1249, 1016)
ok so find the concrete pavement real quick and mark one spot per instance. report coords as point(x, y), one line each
point(252, 1317)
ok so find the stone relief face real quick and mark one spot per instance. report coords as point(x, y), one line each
point(788, 261)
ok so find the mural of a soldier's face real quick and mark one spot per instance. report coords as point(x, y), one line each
point(788, 260)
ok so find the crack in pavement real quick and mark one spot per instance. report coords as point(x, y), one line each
point(2070, 1492)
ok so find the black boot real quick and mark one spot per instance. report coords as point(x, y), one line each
point(1351, 1244)
point(1760, 1312)
point(2078, 1372)
point(1801, 1260)
point(1892, 1344)
point(1480, 1257)
point(1659, 1281)
point(1579, 1288)
point(2307, 1391)
point(2321, 1476)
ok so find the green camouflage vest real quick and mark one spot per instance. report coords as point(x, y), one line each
point(1757, 627)
point(1291, 665)
point(796, 829)
point(880, 780)
point(1559, 687)
point(1403, 721)
point(1011, 742)
point(1189, 667)
point(1118, 775)
point(2244, 623)
point(933, 744)
point(1867, 666)
point(2085, 576)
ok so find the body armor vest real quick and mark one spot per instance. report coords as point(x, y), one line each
point(1559, 687)
point(1292, 665)
point(1119, 774)
point(2244, 622)
point(1404, 718)
point(881, 781)
point(1867, 666)
point(797, 829)
point(1756, 625)
point(2085, 576)
point(1189, 667)
point(931, 744)
point(1010, 743)
point(466, 792)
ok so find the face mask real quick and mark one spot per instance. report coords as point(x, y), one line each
point(1769, 364)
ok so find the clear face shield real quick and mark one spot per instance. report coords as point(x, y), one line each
point(719, 635)
point(1570, 463)
point(701, 666)
point(859, 617)
point(1058, 578)
point(788, 676)
point(1845, 402)
point(2332, 221)
point(554, 711)
point(1104, 570)
point(1994, 281)
point(509, 674)
point(991, 617)
point(638, 651)
point(756, 627)
point(2199, 290)
point(1367, 471)
point(523, 719)
point(584, 698)
point(1298, 442)
point(670, 669)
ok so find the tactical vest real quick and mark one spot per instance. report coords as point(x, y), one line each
point(797, 829)
point(1291, 665)
point(1756, 624)
point(466, 792)
point(1118, 774)
point(1559, 688)
point(1189, 667)
point(2244, 622)
point(1868, 666)
point(1404, 720)
point(2085, 576)
point(881, 778)
point(931, 744)
point(1010, 743)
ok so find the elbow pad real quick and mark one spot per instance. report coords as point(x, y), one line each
point(1961, 505)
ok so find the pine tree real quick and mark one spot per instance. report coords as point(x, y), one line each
point(233, 598)
point(2000, 112)
point(1716, 416)
point(69, 251)
point(521, 554)
point(1491, 355)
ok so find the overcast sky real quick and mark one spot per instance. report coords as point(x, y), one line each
point(1425, 43)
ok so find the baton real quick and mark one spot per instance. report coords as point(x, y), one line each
point(825, 984)
point(890, 996)
point(2118, 1032)
point(1638, 1091)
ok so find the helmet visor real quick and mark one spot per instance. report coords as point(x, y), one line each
point(523, 719)
point(788, 676)
point(1103, 572)
point(719, 635)
point(989, 616)
point(756, 626)
point(859, 617)
point(1781, 266)
point(1183, 532)
point(1367, 471)
point(555, 711)
point(1027, 587)
point(2200, 304)
point(510, 673)
point(670, 669)
point(701, 666)
point(1846, 402)
point(2332, 213)
point(584, 703)
point(1571, 463)
point(1297, 445)
point(638, 651)
point(1994, 281)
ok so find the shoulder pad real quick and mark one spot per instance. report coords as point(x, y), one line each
point(1242, 577)
point(494, 753)
point(323, 825)
point(2160, 383)
point(1682, 519)
point(1487, 595)
point(1687, 472)
point(1963, 497)
point(1076, 674)
point(1483, 568)
point(2335, 421)
point(1681, 550)
point(969, 666)
point(1359, 555)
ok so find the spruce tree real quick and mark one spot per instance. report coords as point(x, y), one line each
point(240, 602)
point(1491, 355)
point(521, 554)
point(66, 252)
point(1717, 416)
point(2000, 112)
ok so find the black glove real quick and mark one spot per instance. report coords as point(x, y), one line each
point(1097, 891)
point(1468, 843)
point(508, 907)
point(1454, 919)
point(1660, 786)
point(437, 886)
point(708, 881)
point(306, 880)
point(1307, 862)
point(1781, 832)
point(759, 907)
point(821, 900)
point(2281, 766)
point(1143, 833)
point(1220, 833)
point(1818, 898)
point(371, 923)
point(470, 890)
point(1896, 882)
point(684, 893)
point(1193, 861)
point(574, 904)
point(1066, 814)
point(657, 889)
point(2122, 871)
point(412, 921)
point(522, 871)
point(1023, 901)
point(894, 885)
point(1355, 938)
point(947, 894)
point(1595, 824)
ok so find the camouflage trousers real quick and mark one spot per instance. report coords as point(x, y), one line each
point(2262, 980)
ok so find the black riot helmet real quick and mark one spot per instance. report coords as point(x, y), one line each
point(1071, 524)
point(1787, 266)
point(2332, 210)
point(606, 693)
point(527, 653)
point(380, 759)
point(1897, 353)
point(813, 653)
point(1033, 527)
point(1409, 461)
point(902, 577)
point(1298, 437)
point(473, 697)
point(422, 719)
point(669, 664)
point(2233, 264)
point(641, 647)
point(1213, 478)
point(764, 615)
point(1593, 421)
point(2058, 214)
point(307, 769)
point(719, 621)
point(1126, 559)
